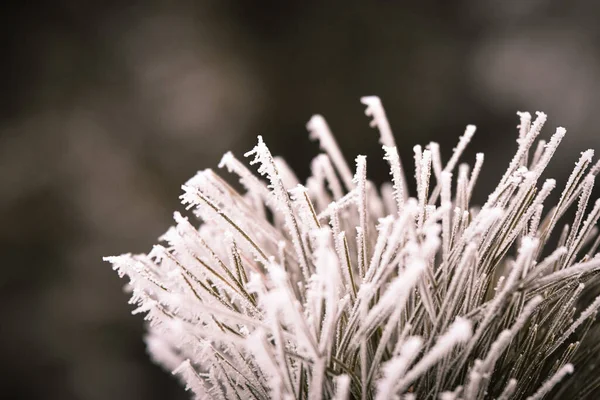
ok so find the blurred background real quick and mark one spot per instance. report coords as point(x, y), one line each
point(107, 107)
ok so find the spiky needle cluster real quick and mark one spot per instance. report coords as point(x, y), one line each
point(336, 289)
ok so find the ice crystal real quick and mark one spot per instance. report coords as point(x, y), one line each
point(338, 289)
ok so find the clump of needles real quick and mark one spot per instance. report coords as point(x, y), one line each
point(339, 289)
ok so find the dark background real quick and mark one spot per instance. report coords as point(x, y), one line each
point(107, 107)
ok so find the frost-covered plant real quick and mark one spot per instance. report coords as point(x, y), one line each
point(339, 289)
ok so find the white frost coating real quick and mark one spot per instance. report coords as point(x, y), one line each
point(329, 289)
point(436, 159)
point(423, 187)
point(394, 296)
point(459, 332)
point(391, 156)
point(525, 252)
point(342, 388)
point(161, 351)
point(509, 389)
point(375, 109)
point(475, 174)
point(524, 145)
point(551, 148)
point(586, 191)
point(590, 311)
point(584, 232)
point(595, 169)
point(288, 176)
point(553, 381)
point(319, 130)
point(506, 336)
point(249, 180)
point(446, 201)
point(193, 382)
point(397, 367)
point(575, 270)
point(360, 179)
point(262, 156)
point(525, 124)
point(539, 150)
point(321, 166)
point(460, 148)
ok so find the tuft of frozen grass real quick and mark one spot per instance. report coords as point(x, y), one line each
point(338, 289)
